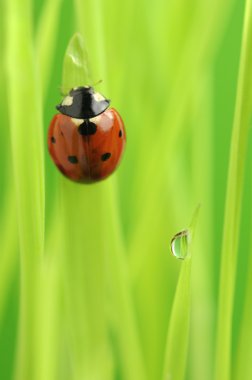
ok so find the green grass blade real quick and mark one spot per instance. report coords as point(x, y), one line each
point(46, 38)
point(85, 283)
point(27, 158)
point(8, 217)
point(242, 359)
point(28, 172)
point(242, 365)
point(178, 332)
point(51, 332)
point(8, 248)
point(49, 290)
point(177, 340)
point(202, 316)
point(233, 202)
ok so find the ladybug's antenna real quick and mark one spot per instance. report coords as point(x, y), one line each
point(96, 83)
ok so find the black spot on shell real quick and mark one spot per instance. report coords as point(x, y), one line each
point(120, 133)
point(53, 139)
point(105, 156)
point(72, 159)
point(87, 128)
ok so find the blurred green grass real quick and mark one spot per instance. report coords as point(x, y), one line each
point(105, 285)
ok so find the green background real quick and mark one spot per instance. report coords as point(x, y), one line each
point(94, 297)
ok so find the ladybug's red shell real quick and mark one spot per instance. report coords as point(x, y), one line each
point(87, 150)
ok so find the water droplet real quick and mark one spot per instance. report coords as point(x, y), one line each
point(180, 243)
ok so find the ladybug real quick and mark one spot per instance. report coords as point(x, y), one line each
point(86, 139)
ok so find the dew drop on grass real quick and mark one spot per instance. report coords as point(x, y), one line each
point(180, 244)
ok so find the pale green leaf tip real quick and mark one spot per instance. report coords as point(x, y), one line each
point(76, 70)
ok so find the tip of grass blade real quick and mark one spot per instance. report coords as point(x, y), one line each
point(194, 220)
point(75, 68)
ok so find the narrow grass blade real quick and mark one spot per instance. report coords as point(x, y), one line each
point(49, 290)
point(178, 332)
point(233, 202)
point(203, 305)
point(8, 248)
point(27, 158)
point(46, 38)
point(51, 332)
point(242, 365)
point(8, 217)
point(177, 340)
point(28, 172)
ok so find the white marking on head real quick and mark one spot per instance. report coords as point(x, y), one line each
point(67, 101)
point(96, 119)
point(98, 97)
point(77, 122)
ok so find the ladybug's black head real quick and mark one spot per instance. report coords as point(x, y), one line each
point(83, 103)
